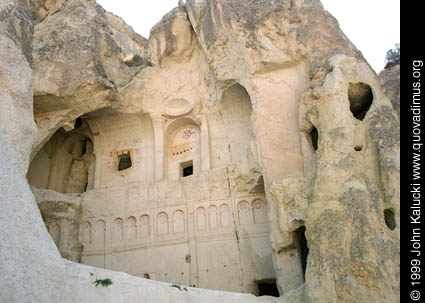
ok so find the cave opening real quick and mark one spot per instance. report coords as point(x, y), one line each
point(314, 136)
point(360, 97)
point(303, 248)
point(267, 288)
point(390, 218)
point(66, 162)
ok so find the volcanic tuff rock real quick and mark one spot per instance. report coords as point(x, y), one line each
point(389, 78)
point(322, 141)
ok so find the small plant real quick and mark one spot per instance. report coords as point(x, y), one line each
point(103, 282)
point(393, 56)
point(178, 287)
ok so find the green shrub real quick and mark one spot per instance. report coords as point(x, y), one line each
point(178, 287)
point(103, 282)
point(393, 55)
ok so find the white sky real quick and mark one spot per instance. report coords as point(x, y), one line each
point(372, 25)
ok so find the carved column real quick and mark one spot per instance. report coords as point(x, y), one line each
point(205, 145)
point(159, 145)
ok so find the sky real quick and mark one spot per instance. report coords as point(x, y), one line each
point(372, 25)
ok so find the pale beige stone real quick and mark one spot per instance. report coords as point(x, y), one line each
point(210, 154)
point(389, 78)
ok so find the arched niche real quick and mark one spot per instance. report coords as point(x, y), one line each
point(66, 163)
point(100, 233)
point(259, 211)
point(182, 149)
point(232, 127)
point(117, 230)
point(86, 233)
point(212, 217)
point(200, 218)
point(131, 228)
point(178, 222)
point(244, 213)
point(144, 226)
point(162, 225)
point(224, 215)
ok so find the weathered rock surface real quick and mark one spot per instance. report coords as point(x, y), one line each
point(348, 196)
point(16, 30)
point(275, 106)
point(389, 78)
point(80, 61)
point(64, 209)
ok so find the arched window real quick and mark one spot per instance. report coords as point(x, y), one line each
point(182, 149)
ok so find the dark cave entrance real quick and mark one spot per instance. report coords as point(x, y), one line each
point(267, 288)
point(303, 248)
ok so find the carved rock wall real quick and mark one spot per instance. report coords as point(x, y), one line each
point(317, 147)
point(389, 78)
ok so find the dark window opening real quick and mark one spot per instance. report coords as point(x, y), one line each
point(84, 147)
point(268, 289)
point(303, 248)
point(124, 161)
point(187, 171)
point(358, 148)
point(361, 97)
point(78, 123)
point(314, 135)
point(389, 218)
point(186, 168)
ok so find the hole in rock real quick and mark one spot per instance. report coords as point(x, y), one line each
point(66, 163)
point(361, 97)
point(84, 147)
point(78, 123)
point(186, 168)
point(302, 242)
point(268, 289)
point(124, 161)
point(314, 136)
point(390, 218)
point(146, 276)
point(358, 148)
